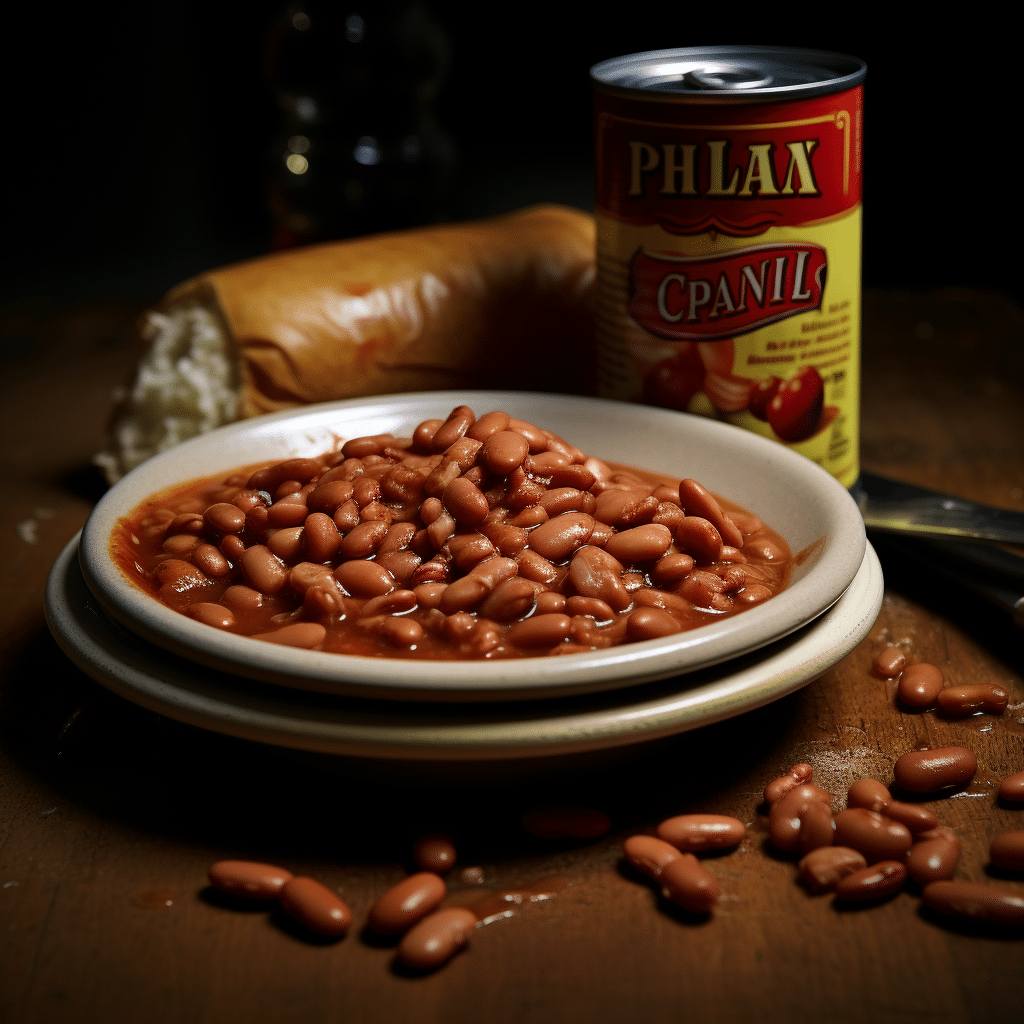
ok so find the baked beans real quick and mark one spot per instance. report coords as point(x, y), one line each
point(474, 538)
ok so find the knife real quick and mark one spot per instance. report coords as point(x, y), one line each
point(896, 507)
point(950, 535)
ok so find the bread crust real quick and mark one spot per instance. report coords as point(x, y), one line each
point(503, 302)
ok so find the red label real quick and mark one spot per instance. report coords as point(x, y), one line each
point(733, 170)
point(700, 298)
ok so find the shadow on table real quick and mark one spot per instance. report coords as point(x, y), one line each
point(179, 782)
point(988, 625)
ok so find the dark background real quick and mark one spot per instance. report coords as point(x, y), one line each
point(138, 136)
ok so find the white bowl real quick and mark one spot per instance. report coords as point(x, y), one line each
point(448, 734)
point(809, 508)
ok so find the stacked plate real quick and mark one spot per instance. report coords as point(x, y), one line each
point(481, 710)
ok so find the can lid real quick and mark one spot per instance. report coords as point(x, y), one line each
point(729, 74)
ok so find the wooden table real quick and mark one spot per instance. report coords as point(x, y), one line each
point(110, 815)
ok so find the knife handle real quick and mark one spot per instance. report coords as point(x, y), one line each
point(990, 572)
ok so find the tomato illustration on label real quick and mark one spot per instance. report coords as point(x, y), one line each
point(793, 408)
point(762, 395)
point(795, 411)
point(673, 382)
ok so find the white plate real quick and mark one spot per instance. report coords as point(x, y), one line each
point(175, 687)
point(793, 495)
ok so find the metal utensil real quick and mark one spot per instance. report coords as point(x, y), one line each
point(952, 536)
point(896, 507)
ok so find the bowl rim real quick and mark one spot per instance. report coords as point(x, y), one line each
point(302, 429)
point(415, 733)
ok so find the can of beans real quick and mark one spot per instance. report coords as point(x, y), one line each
point(728, 240)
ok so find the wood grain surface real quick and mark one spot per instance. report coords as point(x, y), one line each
point(110, 815)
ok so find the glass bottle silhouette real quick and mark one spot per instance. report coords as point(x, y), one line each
point(360, 150)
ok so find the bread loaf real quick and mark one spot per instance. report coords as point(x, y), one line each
point(502, 303)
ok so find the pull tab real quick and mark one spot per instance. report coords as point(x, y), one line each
point(726, 78)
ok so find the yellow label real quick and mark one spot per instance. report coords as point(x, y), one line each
point(754, 356)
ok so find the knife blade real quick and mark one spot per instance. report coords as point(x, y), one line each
point(950, 535)
point(896, 507)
